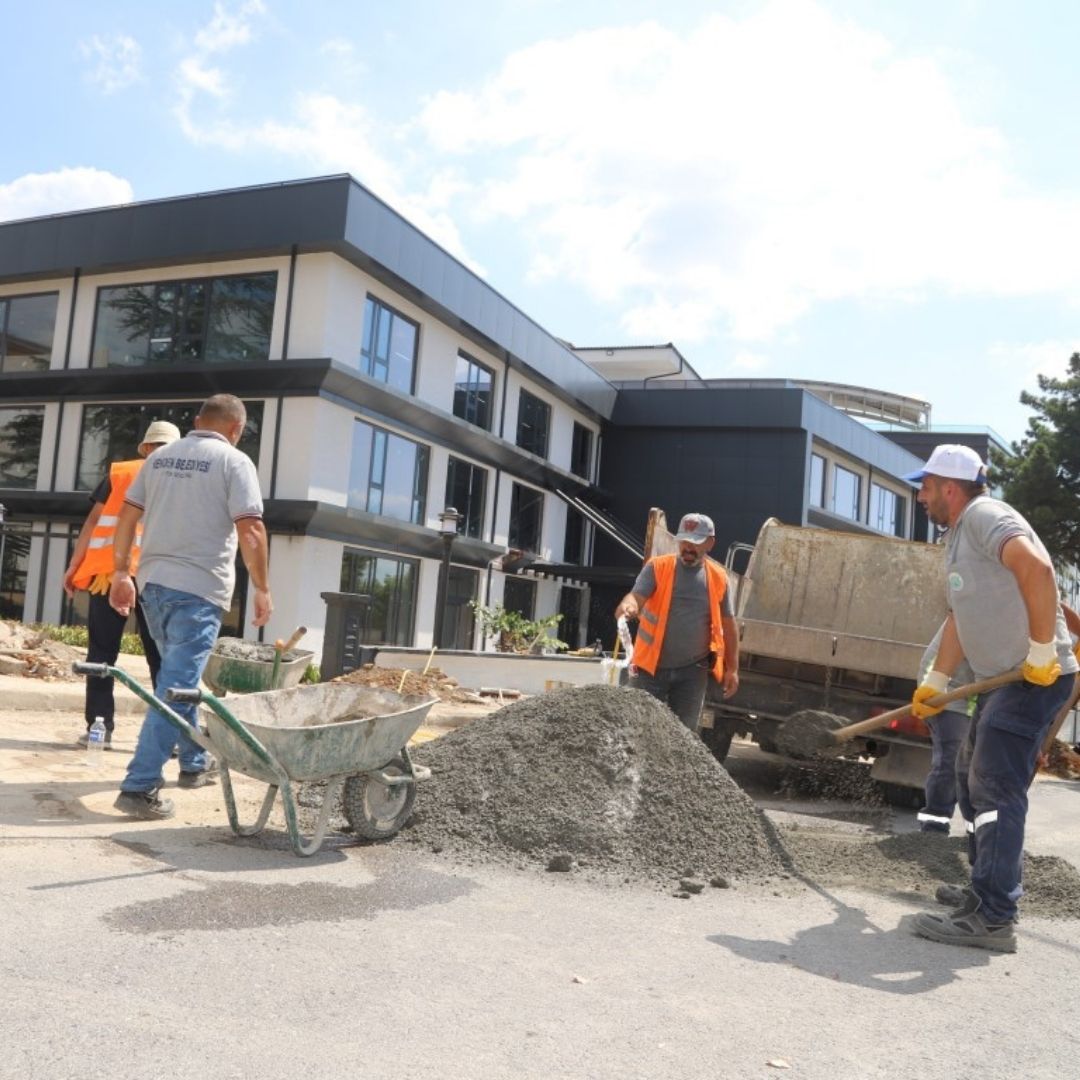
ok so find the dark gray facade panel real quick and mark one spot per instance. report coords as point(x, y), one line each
point(710, 407)
point(852, 437)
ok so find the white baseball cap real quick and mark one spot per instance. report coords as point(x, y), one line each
point(697, 528)
point(161, 431)
point(952, 461)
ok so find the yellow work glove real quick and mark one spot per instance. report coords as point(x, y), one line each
point(934, 683)
point(100, 584)
point(1076, 650)
point(1041, 666)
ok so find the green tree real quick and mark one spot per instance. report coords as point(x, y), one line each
point(1041, 477)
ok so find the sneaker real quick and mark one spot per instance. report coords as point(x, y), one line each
point(84, 738)
point(206, 776)
point(971, 930)
point(145, 805)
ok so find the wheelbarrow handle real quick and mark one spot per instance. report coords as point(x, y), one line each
point(97, 671)
point(183, 696)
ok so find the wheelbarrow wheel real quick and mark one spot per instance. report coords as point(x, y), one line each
point(376, 810)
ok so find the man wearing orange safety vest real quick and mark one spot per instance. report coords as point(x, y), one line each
point(686, 628)
point(91, 569)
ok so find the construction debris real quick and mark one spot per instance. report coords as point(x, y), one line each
point(601, 780)
point(1062, 761)
point(27, 652)
point(431, 683)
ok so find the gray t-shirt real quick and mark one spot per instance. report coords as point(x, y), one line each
point(686, 640)
point(960, 677)
point(192, 492)
point(991, 619)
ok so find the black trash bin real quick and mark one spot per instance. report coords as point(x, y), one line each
point(346, 617)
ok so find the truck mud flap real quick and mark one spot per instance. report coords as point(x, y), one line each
point(904, 764)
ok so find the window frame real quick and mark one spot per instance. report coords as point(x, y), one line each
point(471, 394)
point(5, 321)
point(857, 477)
point(379, 304)
point(542, 438)
point(420, 474)
point(513, 538)
point(469, 524)
point(585, 474)
point(816, 457)
point(406, 635)
point(528, 587)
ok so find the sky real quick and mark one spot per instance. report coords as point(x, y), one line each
point(873, 193)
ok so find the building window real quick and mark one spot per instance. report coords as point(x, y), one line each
point(389, 474)
point(388, 349)
point(466, 487)
point(847, 492)
point(26, 332)
point(390, 615)
point(20, 445)
point(581, 451)
point(574, 547)
point(13, 572)
point(817, 481)
point(570, 629)
point(534, 419)
point(519, 595)
point(473, 391)
point(113, 433)
point(887, 510)
point(223, 320)
point(458, 617)
point(526, 518)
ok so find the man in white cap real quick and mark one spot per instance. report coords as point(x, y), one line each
point(686, 630)
point(91, 567)
point(1004, 614)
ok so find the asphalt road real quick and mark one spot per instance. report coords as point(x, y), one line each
point(175, 950)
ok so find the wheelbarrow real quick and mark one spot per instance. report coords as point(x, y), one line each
point(265, 667)
point(353, 737)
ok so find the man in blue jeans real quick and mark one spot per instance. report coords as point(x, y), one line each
point(1004, 615)
point(200, 496)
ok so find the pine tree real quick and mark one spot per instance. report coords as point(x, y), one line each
point(1041, 478)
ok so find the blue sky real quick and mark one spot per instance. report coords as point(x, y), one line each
point(874, 193)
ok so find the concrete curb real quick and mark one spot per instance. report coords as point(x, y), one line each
point(41, 696)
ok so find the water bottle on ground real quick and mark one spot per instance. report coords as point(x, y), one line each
point(95, 741)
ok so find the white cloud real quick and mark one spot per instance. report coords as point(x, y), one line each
point(735, 176)
point(1023, 362)
point(228, 29)
point(35, 194)
point(116, 60)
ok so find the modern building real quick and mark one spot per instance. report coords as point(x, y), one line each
point(385, 382)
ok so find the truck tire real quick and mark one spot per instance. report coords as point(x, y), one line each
point(906, 798)
point(375, 810)
point(718, 740)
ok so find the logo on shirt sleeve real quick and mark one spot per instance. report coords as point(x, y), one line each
point(956, 582)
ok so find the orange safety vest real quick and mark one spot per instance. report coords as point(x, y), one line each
point(99, 555)
point(652, 620)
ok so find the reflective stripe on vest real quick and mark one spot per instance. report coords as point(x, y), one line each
point(99, 555)
point(652, 619)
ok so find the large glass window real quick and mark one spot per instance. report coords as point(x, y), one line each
point(886, 510)
point(26, 331)
point(14, 567)
point(526, 517)
point(473, 391)
point(389, 474)
point(113, 433)
point(570, 629)
point(20, 445)
point(817, 481)
point(466, 486)
point(388, 348)
point(847, 492)
point(574, 548)
point(391, 584)
point(458, 617)
point(520, 595)
point(534, 420)
point(203, 320)
point(581, 451)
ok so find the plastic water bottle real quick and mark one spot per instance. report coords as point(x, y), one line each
point(95, 741)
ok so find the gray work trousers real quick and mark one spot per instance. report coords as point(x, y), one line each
point(681, 689)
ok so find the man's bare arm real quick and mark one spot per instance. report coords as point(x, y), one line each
point(255, 551)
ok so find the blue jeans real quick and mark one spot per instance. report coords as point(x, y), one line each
point(994, 770)
point(681, 689)
point(185, 628)
point(947, 731)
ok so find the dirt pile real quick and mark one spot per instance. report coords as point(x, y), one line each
point(433, 683)
point(1062, 761)
point(27, 652)
point(593, 777)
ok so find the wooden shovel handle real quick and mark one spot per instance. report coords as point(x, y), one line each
point(875, 723)
point(298, 633)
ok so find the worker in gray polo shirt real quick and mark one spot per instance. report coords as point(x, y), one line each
point(1004, 615)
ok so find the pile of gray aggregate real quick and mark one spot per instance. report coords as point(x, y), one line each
point(239, 649)
point(592, 778)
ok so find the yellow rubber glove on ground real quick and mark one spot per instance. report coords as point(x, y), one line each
point(1041, 666)
point(934, 683)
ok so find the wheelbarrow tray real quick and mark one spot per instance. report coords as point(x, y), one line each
point(316, 732)
point(244, 675)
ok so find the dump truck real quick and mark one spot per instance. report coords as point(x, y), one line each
point(828, 621)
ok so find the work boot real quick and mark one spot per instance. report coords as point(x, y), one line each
point(84, 739)
point(953, 896)
point(971, 930)
point(199, 779)
point(145, 805)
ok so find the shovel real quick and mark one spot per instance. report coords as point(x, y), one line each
point(282, 647)
point(804, 735)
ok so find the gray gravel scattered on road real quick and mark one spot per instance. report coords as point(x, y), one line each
point(607, 776)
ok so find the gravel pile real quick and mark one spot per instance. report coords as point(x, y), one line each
point(239, 649)
point(592, 778)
